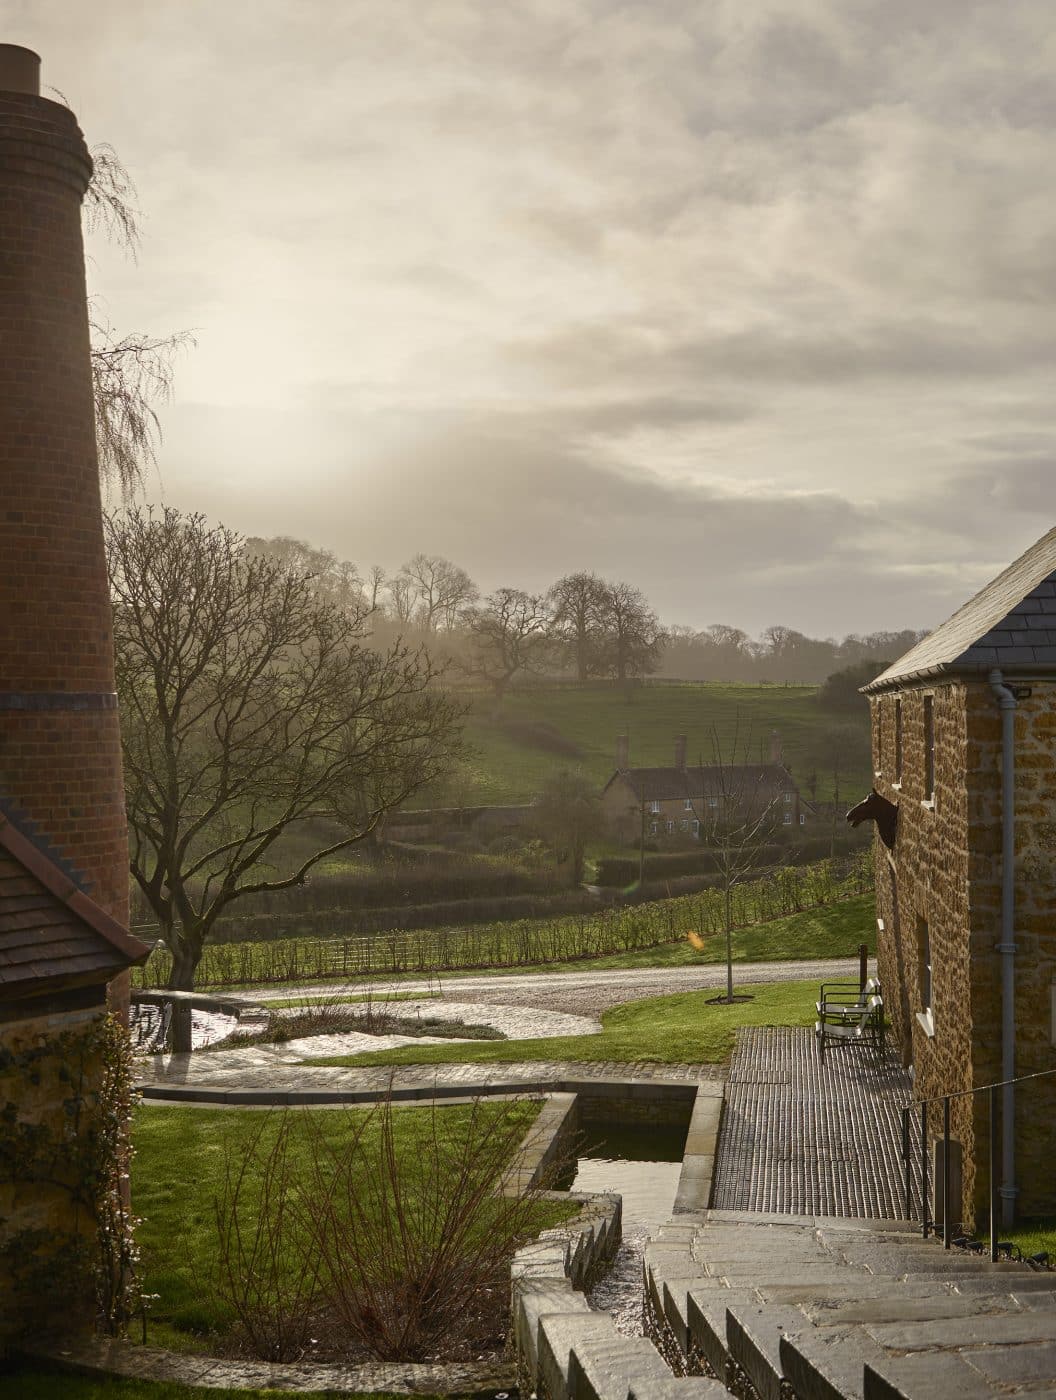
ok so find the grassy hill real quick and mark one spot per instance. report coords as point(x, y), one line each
point(538, 730)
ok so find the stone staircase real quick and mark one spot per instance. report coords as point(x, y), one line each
point(836, 1308)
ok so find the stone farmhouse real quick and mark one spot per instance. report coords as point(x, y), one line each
point(63, 841)
point(964, 753)
point(683, 802)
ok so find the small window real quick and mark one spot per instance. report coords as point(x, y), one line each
point(696, 827)
point(898, 741)
point(924, 964)
point(713, 803)
point(788, 799)
point(786, 820)
point(654, 806)
point(670, 826)
point(654, 827)
point(802, 818)
point(684, 824)
point(929, 748)
point(687, 805)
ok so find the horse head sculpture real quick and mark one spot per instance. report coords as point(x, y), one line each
point(875, 808)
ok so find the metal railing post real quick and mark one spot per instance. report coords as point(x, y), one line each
point(947, 1224)
point(906, 1165)
point(924, 1168)
point(993, 1175)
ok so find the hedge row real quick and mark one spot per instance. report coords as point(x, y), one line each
point(621, 871)
point(520, 943)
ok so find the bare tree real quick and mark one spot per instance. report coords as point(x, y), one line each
point(631, 632)
point(509, 632)
point(131, 373)
point(248, 706)
point(441, 590)
point(336, 580)
point(576, 603)
point(739, 810)
point(401, 598)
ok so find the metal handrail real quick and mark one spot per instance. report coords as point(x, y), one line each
point(945, 1099)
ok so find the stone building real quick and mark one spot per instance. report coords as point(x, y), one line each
point(683, 802)
point(964, 748)
point(63, 842)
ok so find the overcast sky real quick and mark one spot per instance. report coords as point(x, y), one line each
point(750, 304)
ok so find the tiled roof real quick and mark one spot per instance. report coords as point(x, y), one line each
point(51, 932)
point(1011, 624)
point(658, 784)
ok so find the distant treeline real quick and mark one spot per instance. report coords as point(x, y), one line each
point(583, 628)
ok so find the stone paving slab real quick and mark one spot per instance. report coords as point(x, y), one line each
point(802, 1137)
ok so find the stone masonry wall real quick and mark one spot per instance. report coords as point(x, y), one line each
point(946, 868)
point(925, 881)
point(39, 1093)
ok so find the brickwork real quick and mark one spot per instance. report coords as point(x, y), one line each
point(59, 740)
point(939, 894)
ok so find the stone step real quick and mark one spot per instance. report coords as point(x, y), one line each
point(937, 1374)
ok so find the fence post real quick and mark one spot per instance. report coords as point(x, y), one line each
point(905, 1160)
point(924, 1168)
point(947, 1224)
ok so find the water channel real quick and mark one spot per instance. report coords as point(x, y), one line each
point(643, 1165)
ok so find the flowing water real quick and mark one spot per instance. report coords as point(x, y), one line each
point(643, 1165)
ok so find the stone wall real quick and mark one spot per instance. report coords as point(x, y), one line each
point(36, 1091)
point(945, 872)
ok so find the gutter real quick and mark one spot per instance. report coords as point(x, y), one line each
point(1006, 699)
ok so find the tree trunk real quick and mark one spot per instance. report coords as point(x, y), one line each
point(729, 944)
point(185, 956)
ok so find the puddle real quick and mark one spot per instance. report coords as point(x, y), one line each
point(643, 1165)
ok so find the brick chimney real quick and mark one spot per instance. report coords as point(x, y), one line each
point(60, 749)
point(680, 751)
point(623, 752)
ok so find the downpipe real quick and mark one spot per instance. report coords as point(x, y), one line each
point(1007, 947)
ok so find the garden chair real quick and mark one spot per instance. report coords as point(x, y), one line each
point(848, 998)
point(851, 1023)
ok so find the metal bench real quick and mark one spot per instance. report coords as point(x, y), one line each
point(849, 1014)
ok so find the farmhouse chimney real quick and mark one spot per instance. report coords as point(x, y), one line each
point(776, 755)
point(60, 749)
point(680, 751)
point(623, 752)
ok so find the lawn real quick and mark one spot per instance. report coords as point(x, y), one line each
point(178, 1170)
point(680, 1029)
point(509, 763)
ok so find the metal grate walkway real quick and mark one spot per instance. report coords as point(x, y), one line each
point(802, 1139)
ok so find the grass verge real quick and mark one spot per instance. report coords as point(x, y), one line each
point(682, 1029)
point(178, 1172)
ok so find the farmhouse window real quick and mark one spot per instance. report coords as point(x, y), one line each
point(898, 741)
point(696, 827)
point(802, 818)
point(713, 803)
point(654, 827)
point(654, 806)
point(670, 825)
point(924, 957)
point(687, 806)
point(786, 820)
point(788, 798)
point(684, 824)
point(929, 748)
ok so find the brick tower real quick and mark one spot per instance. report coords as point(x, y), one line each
point(60, 752)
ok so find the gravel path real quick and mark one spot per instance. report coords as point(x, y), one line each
point(586, 993)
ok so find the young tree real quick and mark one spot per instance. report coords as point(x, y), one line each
point(249, 705)
point(567, 814)
point(631, 633)
point(509, 633)
point(575, 603)
point(740, 810)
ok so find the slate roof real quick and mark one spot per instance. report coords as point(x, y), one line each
point(663, 784)
point(1011, 624)
point(52, 934)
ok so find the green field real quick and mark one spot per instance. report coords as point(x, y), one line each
point(508, 762)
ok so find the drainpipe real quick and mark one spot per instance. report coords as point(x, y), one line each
point(1006, 947)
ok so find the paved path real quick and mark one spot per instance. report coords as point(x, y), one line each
point(801, 1138)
